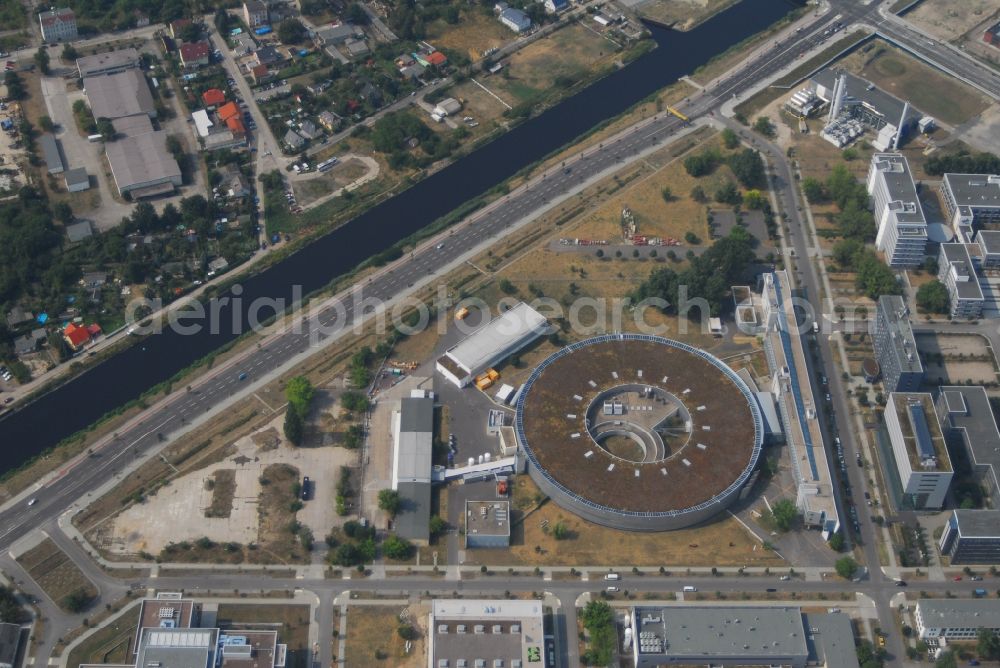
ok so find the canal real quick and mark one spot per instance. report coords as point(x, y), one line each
point(122, 378)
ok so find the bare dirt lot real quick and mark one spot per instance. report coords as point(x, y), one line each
point(956, 358)
point(949, 19)
point(188, 508)
point(477, 31)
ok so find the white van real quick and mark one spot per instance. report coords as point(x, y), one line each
point(612, 576)
point(689, 589)
point(611, 590)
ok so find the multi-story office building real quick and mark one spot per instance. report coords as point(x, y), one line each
point(895, 347)
point(971, 201)
point(973, 536)
point(922, 461)
point(955, 619)
point(902, 229)
point(58, 25)
point(955, 270)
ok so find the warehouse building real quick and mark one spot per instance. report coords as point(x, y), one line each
point(51, 154)
point(973, 536)
point(895, 347)
point(971, 201)
point(486, 633)
point(954, 619)
point(142, 166)
point(902, 229)
point(107, 63)
point(492, 343)
point(487, 524)
point(921, 458)
point(738, 636)
point(120, 94)
point(955, 270)
point(413, 433)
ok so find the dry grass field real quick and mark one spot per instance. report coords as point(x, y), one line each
point(223, 484)
point(373, 640)
point(111, 643)
point(477, 31)
point(723, 542)
point(929, 90)
point(309, 190)
point(56, 573)
point(567, 55)
point(682, 14)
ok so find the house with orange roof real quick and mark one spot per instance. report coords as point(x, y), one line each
point(227, 111)
point(213, 97)
point(77, 336)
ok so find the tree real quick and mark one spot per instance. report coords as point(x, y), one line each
point(730, 139)
point(560, 531)
point(45, 123)
point(988, 645)
point(437, 525)
point(933, 297)
point(77, 600)
point(845, 251)
point(727, 194)
point(15, 86)
point(701, 164)
point(389, 502)
point(814, 190)
point(299, 394)
point(506, 287)
point(667, 194)
point(69, 53)
point(785, 513)
point(357, 15)
point(397, 548)
point(106, 129)
point(354, 401)
point(837, 542)
point(855, 221)
point(946, 660)
point(764, 126)
point(11, 611)
point(754, 199)
point(407, 632)
point(291, 31)
point(748, 167)
point(873, 277)
point(698, 194)
point(293, 426)
point(42, 60)
point(598, 619)
point(846, 567)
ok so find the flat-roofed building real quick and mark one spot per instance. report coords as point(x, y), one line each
point(58, 25)
point(141, 165)
point(120, 94)
point(255, 13)
point(955, 270)
point(895, 347)
point(77, 180)
point(918, 447)
point(717, 636)
point(177, 648)
point(902, 229)
point(892, 119)
point(413, 433)
point(954, 619)
point(486, 633)
point(973, 536)
point(132, 126)
point(10, 638)
point(495, 341)
point(107, 63)
point(971, 201)
point(989, 248)
point(487, 524)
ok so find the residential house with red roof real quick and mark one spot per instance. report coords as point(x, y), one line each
point(213, 97)
point(194, 54)
point(77, 336)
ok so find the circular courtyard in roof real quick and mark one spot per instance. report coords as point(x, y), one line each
point(638, 432)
